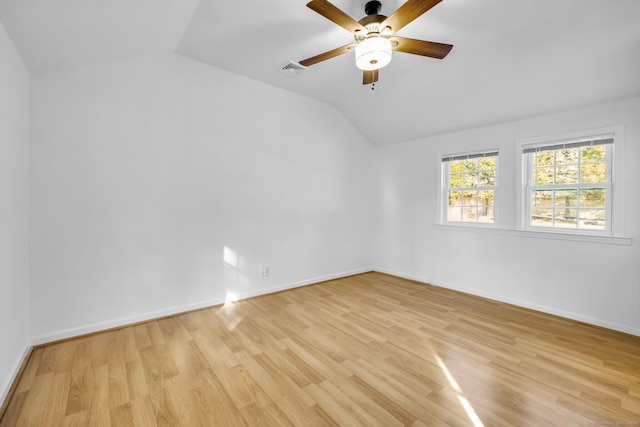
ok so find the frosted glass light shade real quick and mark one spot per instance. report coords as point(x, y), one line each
point(373, 53)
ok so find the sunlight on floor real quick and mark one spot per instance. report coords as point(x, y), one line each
point(227, 314)
point(475, 419)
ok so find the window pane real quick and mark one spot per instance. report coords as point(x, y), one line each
point(454, 214)
point(488, 163)
point(543, 158)
point(469, 214)
point(487, 178)
point(541, 198)
point(567, 174)
point(455, 166)
point(593, 198)
point(470, 165)
point(542, 217)
point(455, 180)
point(567, 156)
point(543, 176)
point(470, 198)
point(486, 201)
point(455, 198)
point(566, 198)
point(486, 197)
point(486, 214)
point(470, 179)
point(565, 218)
point(593, 172)
point(595, 154)
point(593, 219)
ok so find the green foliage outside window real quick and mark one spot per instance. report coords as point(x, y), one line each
point(580, 206)
point(471, 189)
point(571, 166)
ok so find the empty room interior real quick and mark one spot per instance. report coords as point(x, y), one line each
point(303, 213)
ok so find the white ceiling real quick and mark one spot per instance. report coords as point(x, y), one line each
point(511, 58)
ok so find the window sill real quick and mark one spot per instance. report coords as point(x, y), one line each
point(558, 235)
point(551, 235)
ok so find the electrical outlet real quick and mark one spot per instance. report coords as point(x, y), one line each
point(266, 270)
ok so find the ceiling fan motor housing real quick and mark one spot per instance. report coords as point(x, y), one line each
point(372, 21)
point(373, 51)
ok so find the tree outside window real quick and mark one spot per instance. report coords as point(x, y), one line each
point(470, 182)
point(569, 184)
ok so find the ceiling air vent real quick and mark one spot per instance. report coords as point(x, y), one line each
point(292, 68)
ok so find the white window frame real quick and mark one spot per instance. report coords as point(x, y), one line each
point(613, 186)
point(444, 188)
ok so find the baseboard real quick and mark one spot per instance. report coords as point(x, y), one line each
point(403, 275)
point(12, 385)
point(520, 303)
point(170, 311)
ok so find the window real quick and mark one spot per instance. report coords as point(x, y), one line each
point(569, 184)
point(469, 187)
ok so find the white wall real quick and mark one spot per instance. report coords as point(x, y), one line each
point(144, 171)
point(595, 282)
point(14, 231)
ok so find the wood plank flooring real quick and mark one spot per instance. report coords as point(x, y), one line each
point(370, 350)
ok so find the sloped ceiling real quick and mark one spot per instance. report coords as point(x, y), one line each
point(511, 58)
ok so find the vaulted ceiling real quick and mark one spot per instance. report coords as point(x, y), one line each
point(511, 58)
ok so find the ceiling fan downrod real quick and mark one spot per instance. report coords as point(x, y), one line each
point(372, 7)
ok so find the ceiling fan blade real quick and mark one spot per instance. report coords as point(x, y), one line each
point(369, 77)
point(335, 15)
point(421, 47)
point(328, 55)
point(406, 13)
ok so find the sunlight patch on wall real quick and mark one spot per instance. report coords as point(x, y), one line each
point(230, 257)
point(231, 261)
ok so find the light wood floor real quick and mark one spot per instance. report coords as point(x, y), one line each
point(366, 350)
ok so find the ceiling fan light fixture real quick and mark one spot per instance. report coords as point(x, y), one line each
point(373, 53)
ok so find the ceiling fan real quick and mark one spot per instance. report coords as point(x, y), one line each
point(374, 35)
